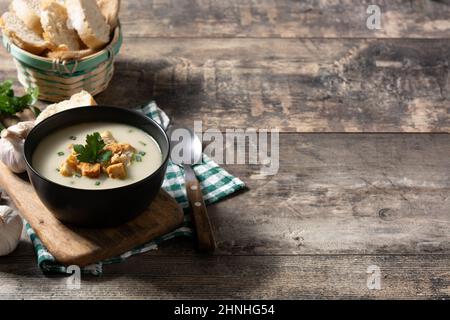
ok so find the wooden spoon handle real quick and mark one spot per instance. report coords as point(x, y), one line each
point(205, 237)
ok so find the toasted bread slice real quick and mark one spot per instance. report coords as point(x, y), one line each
point(110, 10)
point(29, 12)
point(81, 99)
point(56, 32)
point(20, 35)
point(85, 16)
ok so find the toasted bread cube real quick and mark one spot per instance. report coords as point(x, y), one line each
point(66, 170)
point(90, 170)
point(124, 158)
point(108, 137)
point(119, 148)
point(116, 171)
point(72, 161)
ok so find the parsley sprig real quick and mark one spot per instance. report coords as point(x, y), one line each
point(10, 104)
point(92, 151)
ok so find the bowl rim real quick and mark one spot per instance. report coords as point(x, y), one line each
point(29, 165)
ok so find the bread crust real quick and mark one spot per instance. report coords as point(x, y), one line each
point(28, 15)
point(77, 15)
point(110, 10)
point(34, 48)
point(54, 22)
point(70, 55)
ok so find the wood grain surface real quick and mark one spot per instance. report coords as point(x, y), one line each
point(283, 19)
point(293, 85)
point(340, 203)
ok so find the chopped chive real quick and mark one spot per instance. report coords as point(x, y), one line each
point(57, 169)
point(143, 143)
point(77, 175)
point(60, 153)
point(138, 158)
point(73, 138)
point(142, 153)
point(97, 183)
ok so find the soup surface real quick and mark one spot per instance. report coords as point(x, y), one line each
point(55, 150)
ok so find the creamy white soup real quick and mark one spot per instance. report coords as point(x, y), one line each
point(99, 155)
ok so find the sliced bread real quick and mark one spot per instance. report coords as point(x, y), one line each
point(56, 32)
point(110, 10)
point(70, 55)
point(85, 16)
point(29, 12)
point(81, 99)
point(20, 35)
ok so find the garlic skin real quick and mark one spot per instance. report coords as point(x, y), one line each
point(11, 225)
point(11, 146)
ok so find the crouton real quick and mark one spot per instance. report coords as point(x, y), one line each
point(108, 137)
point(66, 170)
point(120, 148)
point(72, 161)
point(90, 170)
point(116, 171)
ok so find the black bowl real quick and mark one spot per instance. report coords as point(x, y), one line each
point(96, 208)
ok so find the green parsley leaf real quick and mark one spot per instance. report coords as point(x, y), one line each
point(92, 151)
point(10, 104)
point(104, 156)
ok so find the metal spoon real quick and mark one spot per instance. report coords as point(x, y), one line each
point(186, 151)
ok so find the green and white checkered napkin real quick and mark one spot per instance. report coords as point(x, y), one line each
point(216, 184)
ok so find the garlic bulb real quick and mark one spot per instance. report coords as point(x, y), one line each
point(11, 146)
point(10, 230)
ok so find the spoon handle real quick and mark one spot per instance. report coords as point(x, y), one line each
point(205, 237)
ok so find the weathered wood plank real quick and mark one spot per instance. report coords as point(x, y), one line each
point(285, 18)
point(342, 194)
point(293, 85)
point(281, 18)
point(250, 277)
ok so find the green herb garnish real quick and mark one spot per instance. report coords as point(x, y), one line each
point(97, 183)
point(138, 158)
point(78, 175)
point(93, 151)
point(60, 153)
point(142, 153)
point(143, 143)
point(10, 104)
point(73, 138)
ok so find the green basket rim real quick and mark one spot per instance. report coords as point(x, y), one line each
point(46, 64)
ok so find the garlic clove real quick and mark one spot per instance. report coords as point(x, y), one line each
point(11, 154)
point(21, 129)
point(11, 226)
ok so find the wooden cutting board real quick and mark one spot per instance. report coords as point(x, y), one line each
point(78, 246)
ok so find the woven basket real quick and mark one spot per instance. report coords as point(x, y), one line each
point(58, 80)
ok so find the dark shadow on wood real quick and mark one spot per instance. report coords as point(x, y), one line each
point(136, 83)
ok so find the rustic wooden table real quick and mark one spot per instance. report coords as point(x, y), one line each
point(364, 162)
